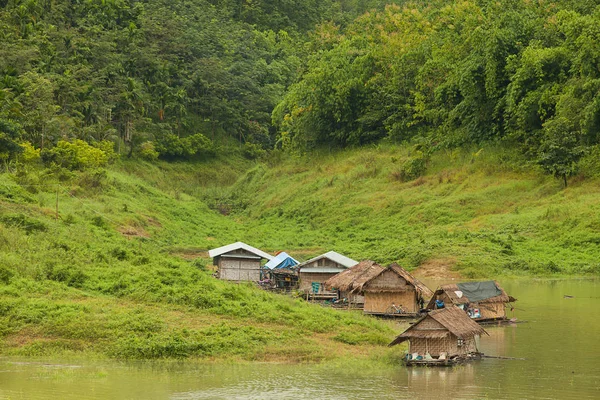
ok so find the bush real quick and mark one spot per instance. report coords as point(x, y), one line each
point(29, 225)
point(6, 274)
point(71, 276)
point(108, 148)
point(172, 146)
point(147, 151)
point(30, 155)
point(589, 165)
point(76, 155)
point(412, 168)
point(95, 179)
point(253, 151)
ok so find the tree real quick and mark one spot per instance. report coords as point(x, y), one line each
point(559, 151)
point(9, 138)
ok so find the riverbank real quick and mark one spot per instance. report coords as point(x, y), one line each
point(117, 267)
point(560, 362)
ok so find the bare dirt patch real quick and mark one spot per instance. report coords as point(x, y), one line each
point(440, 268)
point(133, 231)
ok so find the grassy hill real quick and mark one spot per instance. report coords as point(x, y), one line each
point(118, 274)
point(123, 270)
point(483, 213)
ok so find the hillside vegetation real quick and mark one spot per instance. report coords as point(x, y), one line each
point(117, 274)
point(135, 135)
point(123, 271)
point(483, 213)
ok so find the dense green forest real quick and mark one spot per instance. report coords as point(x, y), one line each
point(451, 74)
point(153, 77)
point(175, 79)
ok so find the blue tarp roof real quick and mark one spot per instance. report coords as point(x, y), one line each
point(282, 260)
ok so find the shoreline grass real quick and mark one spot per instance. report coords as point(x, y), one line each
point(122, 273)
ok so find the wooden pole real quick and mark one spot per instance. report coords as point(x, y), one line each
point(57, 187)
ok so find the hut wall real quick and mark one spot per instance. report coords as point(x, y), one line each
point(306, 279)
point(379, 302)
point(492, 310)
point(389, 280)
point(469, 346)
point(435, 346)
point(323, 262)
point(352, 297)
point(448, 345)
point(239, 269)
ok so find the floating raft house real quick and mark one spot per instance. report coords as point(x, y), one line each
point(443, 337)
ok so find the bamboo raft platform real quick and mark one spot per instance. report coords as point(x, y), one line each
point(395, 315)
point(447, 362)
point(499, 321)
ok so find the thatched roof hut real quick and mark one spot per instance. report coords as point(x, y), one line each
point(421, 289)
point(442, 335)
point(353, 278)
point(350, 279)
point(488, 297)
point(452, 319)
point(382, 288)
point(392, 291)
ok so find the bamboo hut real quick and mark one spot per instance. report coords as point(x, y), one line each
point(238, 262)
point(442, 337)
point(392, 291)
point(313, 273)
point(345, 282)
point(483, 301)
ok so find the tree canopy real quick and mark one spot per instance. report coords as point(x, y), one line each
point(157, 76)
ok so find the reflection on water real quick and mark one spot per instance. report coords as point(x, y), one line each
point(560, 344)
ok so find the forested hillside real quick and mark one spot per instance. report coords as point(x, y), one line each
point(450, 74)
point(135, 135)
point(170, 79)
point(153, 77)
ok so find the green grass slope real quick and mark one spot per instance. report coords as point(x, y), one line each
point(123, 270)
point(117, 274)
point(483, 213)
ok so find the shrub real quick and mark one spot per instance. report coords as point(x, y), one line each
point(253, 151)
point(147, 151)
point(6, 274)
point(94, 179)
point(30, 155)
point(108, 148)
point(29, 225)
point(172, 146)
point(119, 253)
point(412, 168)
point(71, 276)
point(76, 155)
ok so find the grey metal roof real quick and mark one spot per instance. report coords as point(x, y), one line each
point(322, 270)
point(333, 256)
point(238, 245)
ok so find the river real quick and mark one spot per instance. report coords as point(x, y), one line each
point(560, 342)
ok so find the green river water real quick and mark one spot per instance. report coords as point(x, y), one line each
point(560, 341)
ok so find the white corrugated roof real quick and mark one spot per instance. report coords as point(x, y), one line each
point(238, 245)
point(333, 256)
